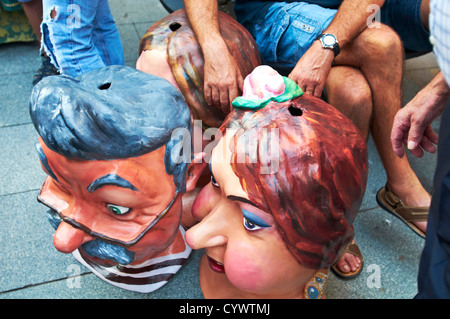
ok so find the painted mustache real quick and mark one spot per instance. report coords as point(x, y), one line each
point(97, 248)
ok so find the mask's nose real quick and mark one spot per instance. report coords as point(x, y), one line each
point(67, 238)
point(210, 232)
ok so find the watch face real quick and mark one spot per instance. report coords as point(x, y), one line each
point(329, 40)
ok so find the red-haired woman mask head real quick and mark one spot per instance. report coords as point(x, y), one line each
point(289, 176)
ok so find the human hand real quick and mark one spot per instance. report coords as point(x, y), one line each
point(412, 123)
point(222, 80)
point(312, 69)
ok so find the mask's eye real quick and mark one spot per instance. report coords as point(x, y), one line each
point(250, 225)
point(252, 221)
point(118, 210)
point(213, 180)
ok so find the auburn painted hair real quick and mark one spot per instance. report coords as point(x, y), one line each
point(312, 180)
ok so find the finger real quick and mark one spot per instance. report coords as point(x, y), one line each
point(415, 136)
point(398, 149)
point(215, 97)
point(417, 152)
point(427, 146)
point(298, 81)
point(240, 84)
point(398, 138)
point(293, 77)
point(308, 89)
point(399, 133)
point(234, 93)
point(207, 94)
point(431, 135)
point(224, 101)
point(318, 90)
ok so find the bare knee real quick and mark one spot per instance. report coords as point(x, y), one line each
point(348, 86)
point(348, 91)
point(357, 94)
point(382, 42)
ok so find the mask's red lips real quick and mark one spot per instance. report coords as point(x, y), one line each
point(215, 265)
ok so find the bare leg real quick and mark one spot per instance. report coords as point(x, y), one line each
point(348, 91)
point(378, 53)
point(374, 94)
point(33, 11)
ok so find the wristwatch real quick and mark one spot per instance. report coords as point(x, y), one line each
point(329, 41)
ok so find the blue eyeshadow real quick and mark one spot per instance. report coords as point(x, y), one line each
point(255, 219)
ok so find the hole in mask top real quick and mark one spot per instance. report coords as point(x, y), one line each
point(174, 26)
point(295, 111)
point(104, 86)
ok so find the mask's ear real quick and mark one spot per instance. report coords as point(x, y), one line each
point(197, 171)
point(197, 177)
point(154, 62)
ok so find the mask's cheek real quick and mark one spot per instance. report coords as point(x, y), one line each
point(246, 272)
point(263, 265)
point(159, 238)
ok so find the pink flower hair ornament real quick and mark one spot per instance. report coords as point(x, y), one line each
point(264, 85)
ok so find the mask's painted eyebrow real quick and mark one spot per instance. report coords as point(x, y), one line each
point(110, 179)
point(242, 199)
point(44, 161)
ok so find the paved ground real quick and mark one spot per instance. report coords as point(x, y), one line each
point(30, 267)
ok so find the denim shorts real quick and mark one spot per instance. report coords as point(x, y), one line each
point(283, 31)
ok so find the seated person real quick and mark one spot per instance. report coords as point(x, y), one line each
point(287, 179)
point(108, 142)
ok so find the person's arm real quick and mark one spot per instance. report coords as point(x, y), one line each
point(222, 77)
point(412, 124)
point(313, 68)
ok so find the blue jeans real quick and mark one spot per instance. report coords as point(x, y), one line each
point(80, 36)
point(284, 30)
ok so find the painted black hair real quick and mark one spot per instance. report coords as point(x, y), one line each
point(112, 113)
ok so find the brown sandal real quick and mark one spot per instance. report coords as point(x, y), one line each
point(408, 214)
point(353, 249)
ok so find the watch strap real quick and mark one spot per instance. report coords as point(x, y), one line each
point(336, 48)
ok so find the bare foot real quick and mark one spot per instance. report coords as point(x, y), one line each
point(349, 262)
